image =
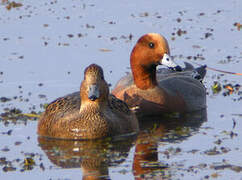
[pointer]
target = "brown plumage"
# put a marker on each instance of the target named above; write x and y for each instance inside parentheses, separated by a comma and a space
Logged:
(93, 113)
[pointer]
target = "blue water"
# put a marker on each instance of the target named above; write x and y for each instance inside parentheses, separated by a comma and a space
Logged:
(52, 43)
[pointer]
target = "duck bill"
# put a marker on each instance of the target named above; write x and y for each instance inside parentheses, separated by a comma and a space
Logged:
(93, 92)
(167, 61)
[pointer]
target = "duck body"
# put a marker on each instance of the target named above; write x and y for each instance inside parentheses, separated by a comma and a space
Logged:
(175, 92)
(154, 92)
(89, 114)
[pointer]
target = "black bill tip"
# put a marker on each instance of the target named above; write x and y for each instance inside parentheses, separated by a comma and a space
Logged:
(92, 97)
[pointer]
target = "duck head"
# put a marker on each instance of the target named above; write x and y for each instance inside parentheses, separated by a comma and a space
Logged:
(94, 89)
(150, 51)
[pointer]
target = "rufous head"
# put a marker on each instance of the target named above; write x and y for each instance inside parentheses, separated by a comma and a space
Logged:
(152, 49)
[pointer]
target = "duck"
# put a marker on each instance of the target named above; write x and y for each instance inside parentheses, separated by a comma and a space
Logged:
(149, 91)
(91, 113)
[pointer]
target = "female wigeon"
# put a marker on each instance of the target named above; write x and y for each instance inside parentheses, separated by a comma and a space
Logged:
(89, 114)
(152, 92)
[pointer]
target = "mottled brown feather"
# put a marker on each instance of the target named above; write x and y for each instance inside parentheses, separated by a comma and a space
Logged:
(72, 117)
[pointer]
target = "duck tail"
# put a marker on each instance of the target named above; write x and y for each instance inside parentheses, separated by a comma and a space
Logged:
(198, 73)
(201, 71)
(188, 66)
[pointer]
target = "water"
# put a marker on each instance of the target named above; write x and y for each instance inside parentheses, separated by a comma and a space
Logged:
(44, 48)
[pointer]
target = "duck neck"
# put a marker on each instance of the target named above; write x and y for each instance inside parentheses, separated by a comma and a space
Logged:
(92, 107)
(144, 77)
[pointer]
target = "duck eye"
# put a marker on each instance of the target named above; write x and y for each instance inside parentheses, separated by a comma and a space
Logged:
(151, 45)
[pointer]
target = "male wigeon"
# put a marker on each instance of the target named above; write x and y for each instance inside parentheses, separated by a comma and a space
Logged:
(89, 114)
(154, 92)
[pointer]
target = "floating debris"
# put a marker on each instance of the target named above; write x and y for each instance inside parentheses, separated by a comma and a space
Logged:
(212, 152)
(216, 87)
(4, 99)
(105, 50)
(238, 25)
(227, 166)
(12, 4)
(8, 168)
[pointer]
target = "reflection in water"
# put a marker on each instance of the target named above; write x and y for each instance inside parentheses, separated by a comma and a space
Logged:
(155, 130)
(94, 157)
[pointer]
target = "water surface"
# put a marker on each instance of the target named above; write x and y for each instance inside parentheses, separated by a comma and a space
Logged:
(46, 45)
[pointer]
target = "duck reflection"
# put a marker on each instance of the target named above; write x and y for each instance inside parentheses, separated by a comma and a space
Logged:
(93, 156)
(154, 131)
